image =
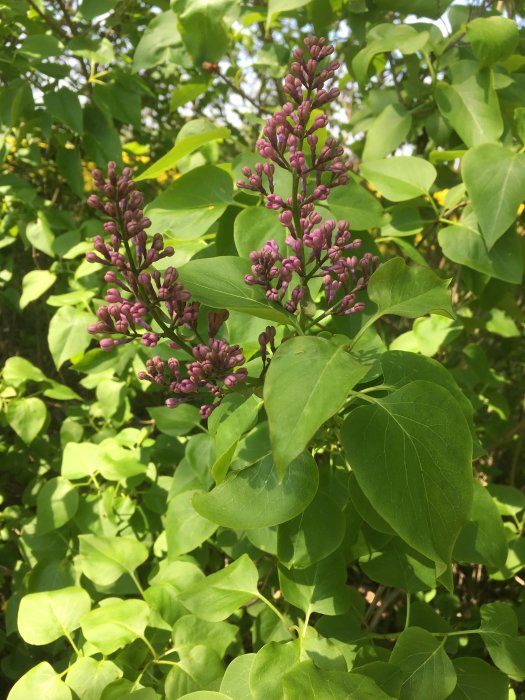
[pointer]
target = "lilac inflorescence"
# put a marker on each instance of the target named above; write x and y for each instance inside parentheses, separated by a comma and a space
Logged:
(141, 296)
(290, 142)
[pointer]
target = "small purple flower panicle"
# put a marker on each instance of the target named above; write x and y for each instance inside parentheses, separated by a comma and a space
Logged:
(151, 306)
(291, 141)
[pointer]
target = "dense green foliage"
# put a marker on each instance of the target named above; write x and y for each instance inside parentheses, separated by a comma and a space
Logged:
(348, 522)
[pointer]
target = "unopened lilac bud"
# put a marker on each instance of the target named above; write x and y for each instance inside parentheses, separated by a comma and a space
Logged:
(286, 217)
(107, 343)
(274, 202)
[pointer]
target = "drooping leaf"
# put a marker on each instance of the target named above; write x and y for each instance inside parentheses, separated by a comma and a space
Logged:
(254, 497)
(495, 179)
(298, 408)
(428, 672)
(409, 291)
(417, 441)
(44, 617)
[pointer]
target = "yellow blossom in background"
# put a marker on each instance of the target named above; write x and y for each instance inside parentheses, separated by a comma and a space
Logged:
(440, 197)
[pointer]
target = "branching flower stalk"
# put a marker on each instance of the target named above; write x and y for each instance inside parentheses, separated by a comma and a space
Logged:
(293, 140)
(143, 300)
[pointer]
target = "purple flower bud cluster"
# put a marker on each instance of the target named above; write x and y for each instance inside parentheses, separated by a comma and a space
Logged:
(290, 141)
(142, 299)
(215, 363)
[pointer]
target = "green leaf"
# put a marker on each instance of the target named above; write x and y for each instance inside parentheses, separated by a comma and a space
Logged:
(105, 559)
(271, 663)
(494, 176)
(254, 497)
(235, 681)
(201, 668)
(56, 504)
(478, 680)
(40, 235)
(219, 283)
(499, 630)
(219, 595)
(27, 417)
(409, 291)
(41, 46)
(313, 535)
(88, 677)
(64, 106)
(418, 442)
(17, 371)
(387, 132)
(297, 409)
(492, 39)
(253, 227)
(45, 617)
(185, 528)
(399, 566)
(192, 204)
(181, 149)
(95, 50)
(34, 284)
(307, 682)
(205, 695)
(470, 103)
(80, 460)
(428, 672)
(400, 177)
(483, 539)
(68, 335)
(356, 204)
(204, 33)
(230, 432)
(385, 38)
(161, 35)
(41, 681)
(464, 244)
(115, 462)
(115, 624)
(319, 588)
(275, 7)
(189, 631)
(175, 423)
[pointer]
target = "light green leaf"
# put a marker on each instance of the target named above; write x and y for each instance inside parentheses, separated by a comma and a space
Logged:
(428, 672)
(40, 235)
(307, 682)
(205, 695)
(34, 284)
(219, 283)
(254, 497)
(470, 103)
(80, 460)
(400, 178)
(201, 668)
(64, 106)
(235, 681)
(313, 535)
(499, 630)
(494, 176)
(26, 417)
(56, 504)
(464, 244)
(319, 588)
(115, 624)
(409, 291)
(203, 31)
(18, 370)
(161, 35)
(45, 617)
(271, 663)
(253, 227)
(175, 423)
(483, 539)
(222, 593)
(105, 559)
(417, 441)
(230, 432)
(181, 149)
(192, 204)
(185, 528)
(478, 680)
(387, 132)
(275, 7)
(297, 409)
(41, 681)
(356, 204)
(88, 677)
(385, 38)
(189, 631)
(68, 335)
(116, 462)
(492, 38)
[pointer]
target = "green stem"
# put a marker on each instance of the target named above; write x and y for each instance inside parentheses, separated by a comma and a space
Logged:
(396, 635)
(363, 330)
(407, 619)
(273, 609)
(150, 647)
(137, 582)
